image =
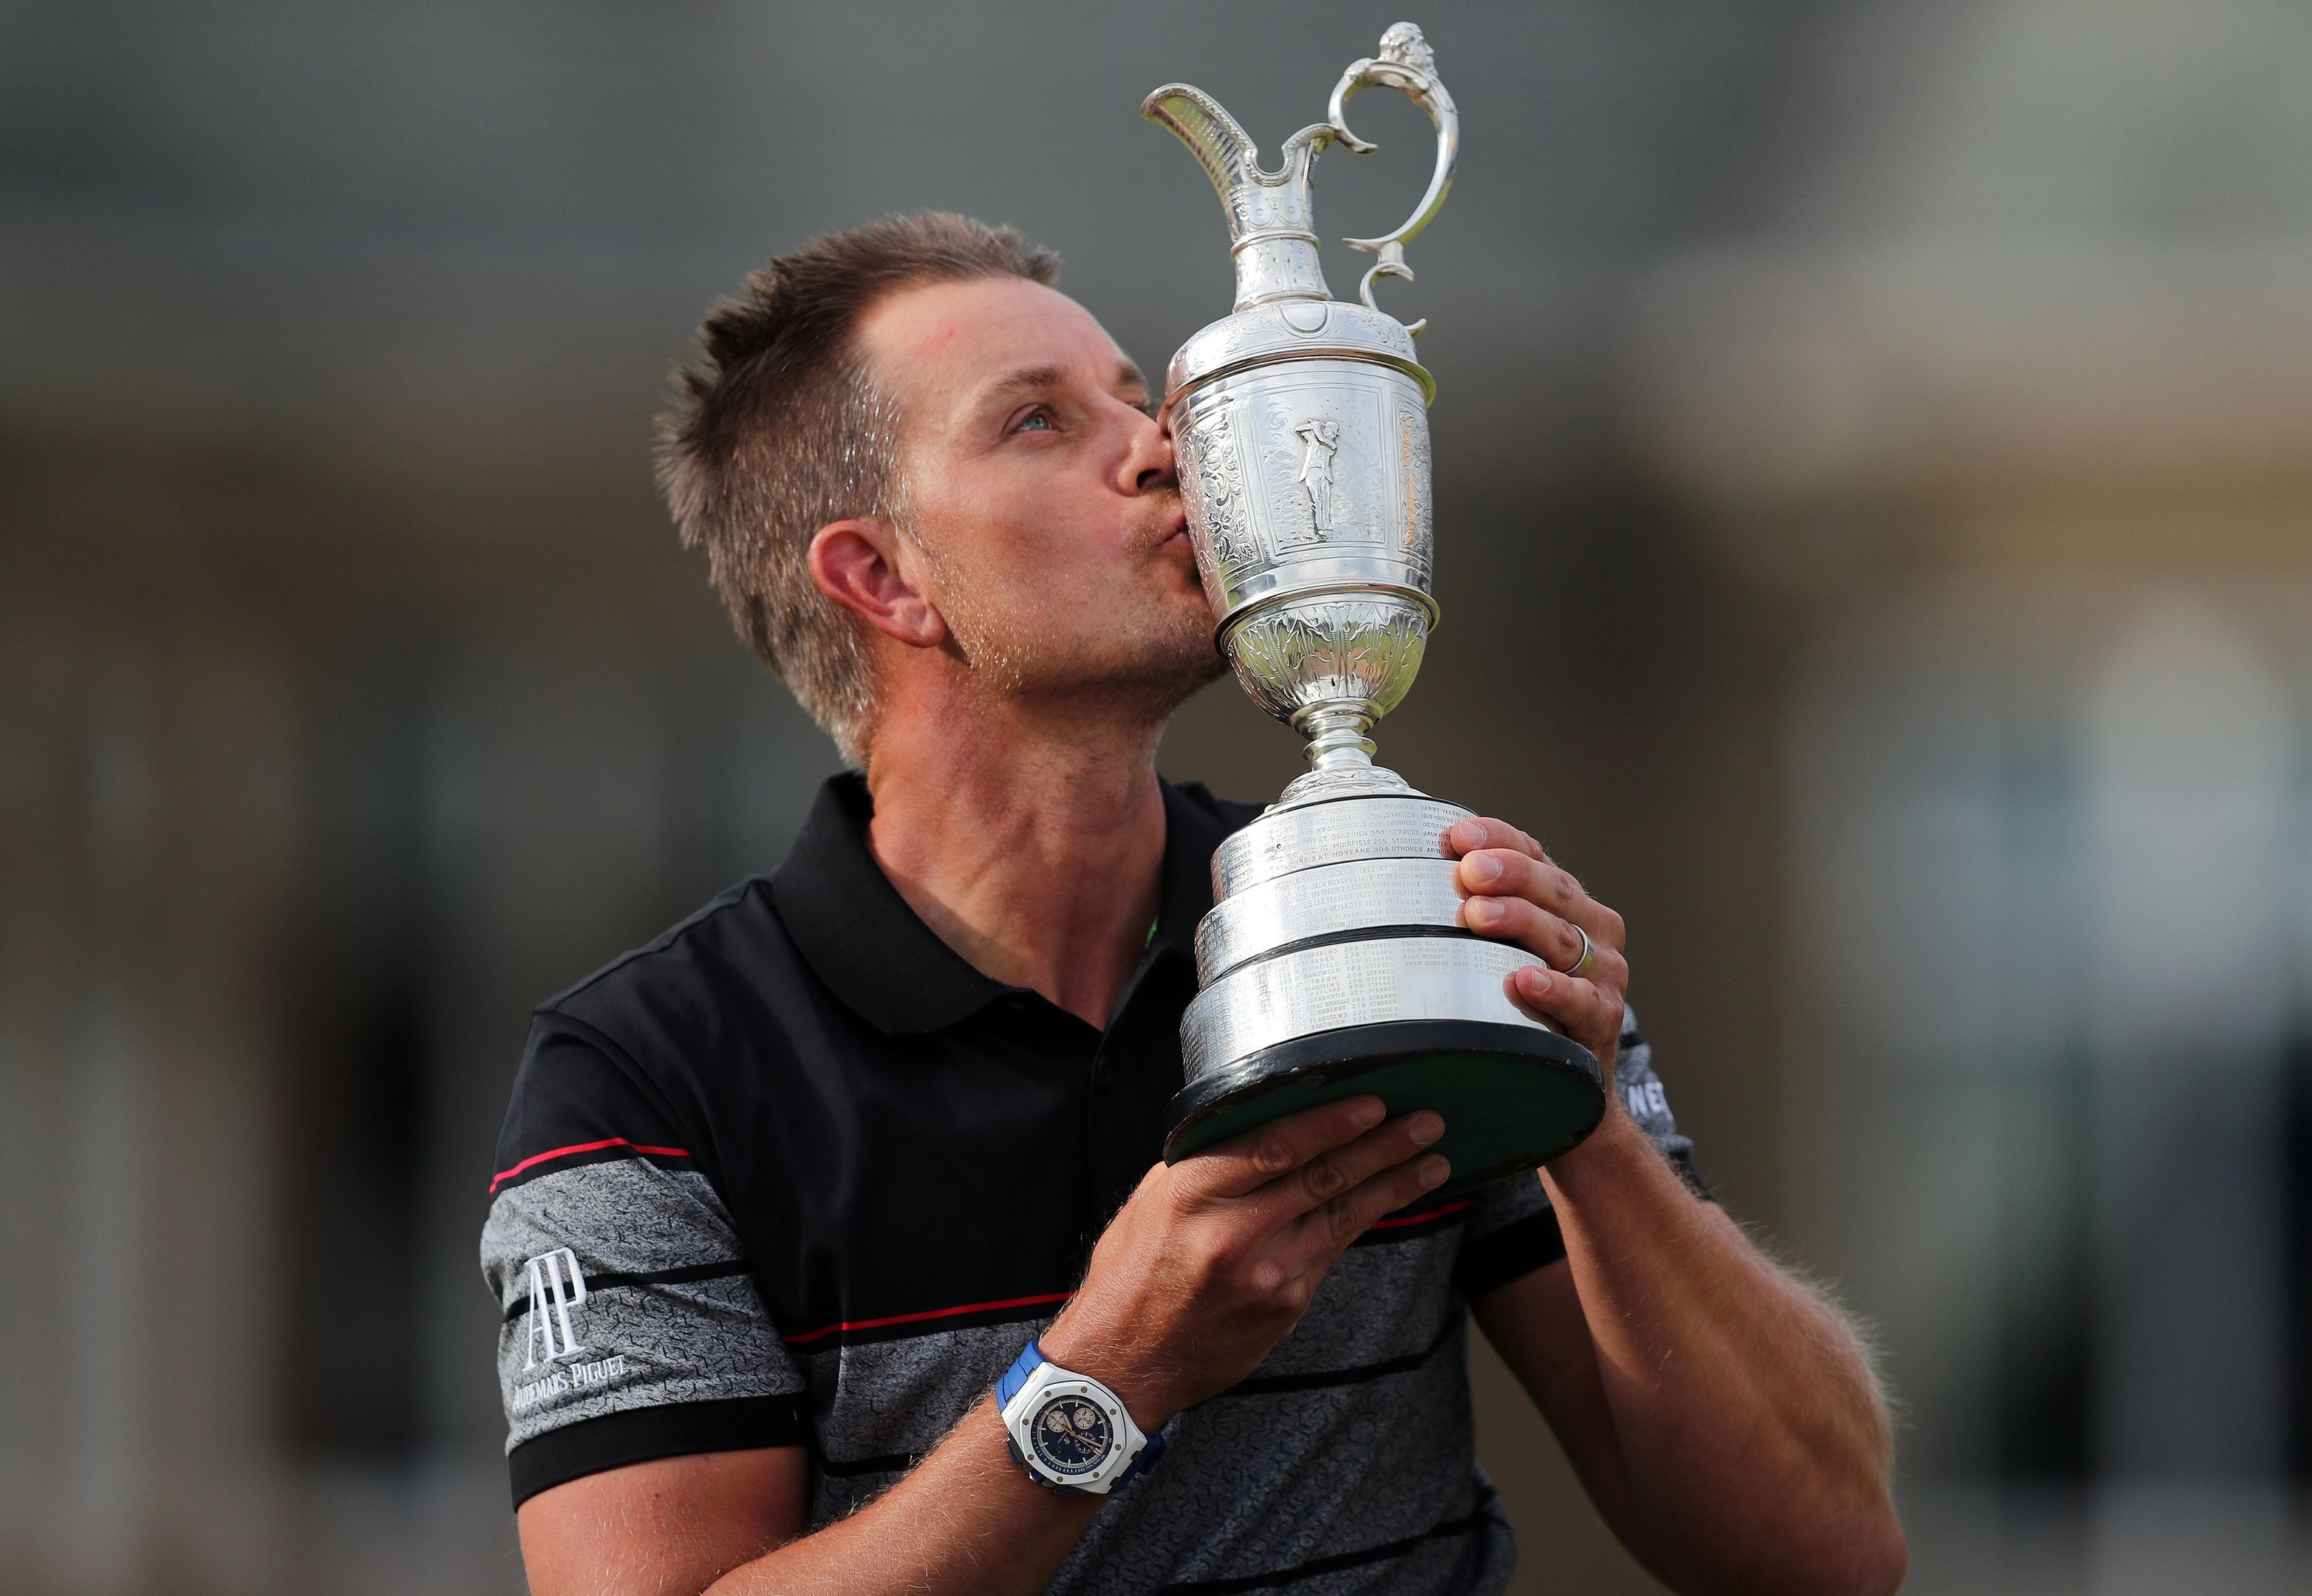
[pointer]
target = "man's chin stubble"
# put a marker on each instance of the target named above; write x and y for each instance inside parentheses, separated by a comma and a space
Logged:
(1138, 688)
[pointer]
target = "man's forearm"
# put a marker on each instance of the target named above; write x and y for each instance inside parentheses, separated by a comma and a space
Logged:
(966, 1520)
(1753, 1438)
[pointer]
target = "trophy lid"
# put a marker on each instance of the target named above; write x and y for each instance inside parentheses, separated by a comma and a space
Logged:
(1294, 328)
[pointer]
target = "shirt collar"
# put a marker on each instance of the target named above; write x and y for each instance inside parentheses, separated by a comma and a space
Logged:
(1194, 828)
(864, 941)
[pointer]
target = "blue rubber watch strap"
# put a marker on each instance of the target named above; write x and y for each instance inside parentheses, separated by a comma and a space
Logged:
(1030, 1359)
(1149, 1456)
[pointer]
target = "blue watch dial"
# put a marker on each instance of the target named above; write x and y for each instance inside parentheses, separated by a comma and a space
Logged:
(1070, 1435)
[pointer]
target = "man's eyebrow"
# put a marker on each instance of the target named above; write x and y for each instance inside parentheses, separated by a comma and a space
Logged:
(1021, 381)
(1027, 379)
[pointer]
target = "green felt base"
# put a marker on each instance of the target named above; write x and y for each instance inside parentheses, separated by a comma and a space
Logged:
(1512, 1096)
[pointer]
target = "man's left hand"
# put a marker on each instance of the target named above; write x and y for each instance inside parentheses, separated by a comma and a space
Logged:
(1517, 894)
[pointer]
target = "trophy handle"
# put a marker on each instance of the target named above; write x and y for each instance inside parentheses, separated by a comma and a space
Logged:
(1406, 64)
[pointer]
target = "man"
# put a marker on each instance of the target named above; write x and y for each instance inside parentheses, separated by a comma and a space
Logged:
(783, 1194)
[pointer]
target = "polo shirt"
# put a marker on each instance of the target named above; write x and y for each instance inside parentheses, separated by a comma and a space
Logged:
(796, 1174)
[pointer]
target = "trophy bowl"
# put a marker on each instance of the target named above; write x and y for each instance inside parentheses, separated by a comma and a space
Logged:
(1333, 962)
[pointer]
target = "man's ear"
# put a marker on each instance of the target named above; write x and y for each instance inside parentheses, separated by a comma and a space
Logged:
(856, 563)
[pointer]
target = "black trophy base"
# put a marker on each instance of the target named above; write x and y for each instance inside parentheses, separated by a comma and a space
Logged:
(1512, 1096)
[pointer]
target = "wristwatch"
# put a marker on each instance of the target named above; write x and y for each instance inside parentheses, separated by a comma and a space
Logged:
(1070, 1432)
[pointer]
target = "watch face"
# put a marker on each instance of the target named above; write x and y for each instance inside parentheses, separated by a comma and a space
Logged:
(1070, 1435)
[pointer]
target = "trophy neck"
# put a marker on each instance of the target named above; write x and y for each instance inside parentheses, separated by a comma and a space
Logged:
(1272, 233)
(1278, 265)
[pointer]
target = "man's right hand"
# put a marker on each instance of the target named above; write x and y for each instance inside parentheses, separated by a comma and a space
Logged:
(1214, 1260)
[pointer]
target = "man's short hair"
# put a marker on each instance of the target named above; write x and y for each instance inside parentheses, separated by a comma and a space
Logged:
(780, 429)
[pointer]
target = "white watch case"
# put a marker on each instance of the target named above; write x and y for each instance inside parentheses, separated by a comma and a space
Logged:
(1070, 1433)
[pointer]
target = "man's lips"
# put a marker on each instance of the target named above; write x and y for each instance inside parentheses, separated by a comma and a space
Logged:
(1173, 536)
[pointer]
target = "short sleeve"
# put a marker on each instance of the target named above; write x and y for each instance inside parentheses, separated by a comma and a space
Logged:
(1511, 1231)
(632, 1326)
(1643, 1094)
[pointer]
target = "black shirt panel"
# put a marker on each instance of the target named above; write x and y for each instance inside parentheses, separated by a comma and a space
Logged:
(896, 1132)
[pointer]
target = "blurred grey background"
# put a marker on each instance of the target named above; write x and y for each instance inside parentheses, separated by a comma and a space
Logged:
(1875, 467)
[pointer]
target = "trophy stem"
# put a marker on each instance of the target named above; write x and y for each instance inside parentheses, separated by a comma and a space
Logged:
(1336, 735)
(1340, 755)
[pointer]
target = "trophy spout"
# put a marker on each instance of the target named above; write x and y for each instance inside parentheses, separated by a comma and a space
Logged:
(1272, 233)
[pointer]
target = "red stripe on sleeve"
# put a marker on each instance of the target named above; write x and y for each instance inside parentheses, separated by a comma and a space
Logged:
(503, 1176)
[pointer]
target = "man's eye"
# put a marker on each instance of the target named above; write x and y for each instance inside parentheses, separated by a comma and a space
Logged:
(1037, 420)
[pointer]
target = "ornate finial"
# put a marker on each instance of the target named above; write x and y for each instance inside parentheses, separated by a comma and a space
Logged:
(1404, 45)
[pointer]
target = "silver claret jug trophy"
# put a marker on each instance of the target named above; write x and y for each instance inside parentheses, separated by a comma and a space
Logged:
(1333, 962)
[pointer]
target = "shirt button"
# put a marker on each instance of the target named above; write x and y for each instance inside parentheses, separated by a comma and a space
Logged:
(1103, 1074)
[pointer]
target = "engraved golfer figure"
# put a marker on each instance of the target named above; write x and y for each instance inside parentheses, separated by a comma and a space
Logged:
(1323, 441)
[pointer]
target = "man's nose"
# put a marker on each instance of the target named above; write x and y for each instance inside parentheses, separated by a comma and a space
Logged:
(1149, 463)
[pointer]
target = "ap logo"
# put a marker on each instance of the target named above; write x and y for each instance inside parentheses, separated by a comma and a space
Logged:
(556, 1287)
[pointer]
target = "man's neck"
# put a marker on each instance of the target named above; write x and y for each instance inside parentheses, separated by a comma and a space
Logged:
(1037, 855)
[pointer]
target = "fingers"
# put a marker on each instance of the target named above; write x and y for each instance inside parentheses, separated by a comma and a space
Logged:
(1324, 1178)
(1505, 873)
(1515, 921)
(1464, 837)
(1589, 1012)
(1331, 1228)
(1243, 1164)
(1517, 894)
